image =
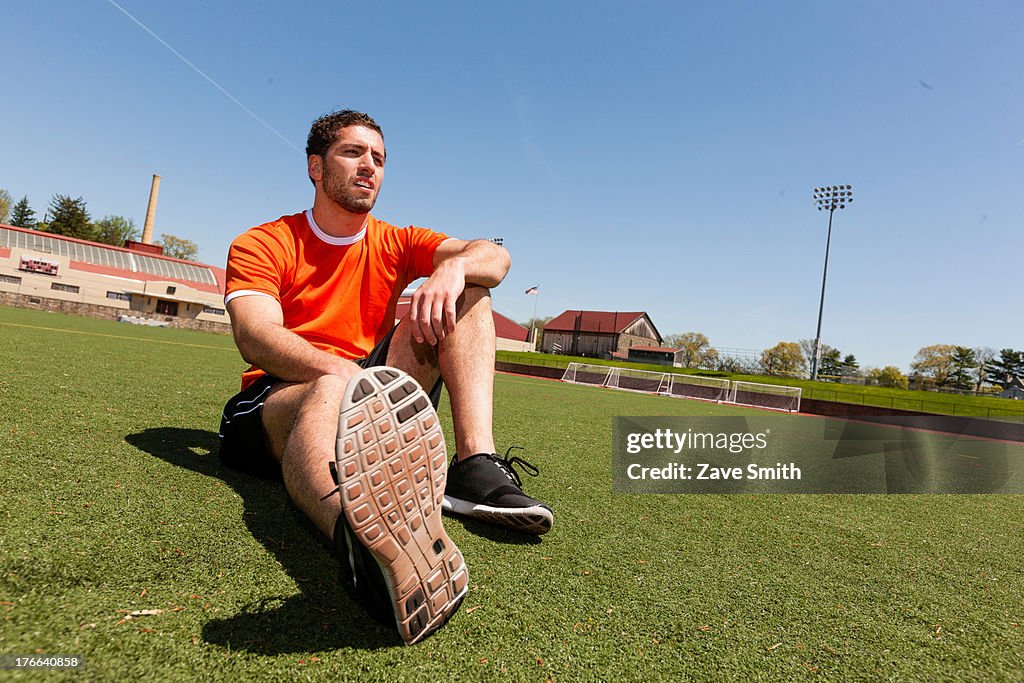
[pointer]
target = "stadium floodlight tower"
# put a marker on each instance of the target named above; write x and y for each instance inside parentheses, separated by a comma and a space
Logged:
(829, 199)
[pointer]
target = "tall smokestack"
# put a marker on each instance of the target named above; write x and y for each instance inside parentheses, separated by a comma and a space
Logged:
(147, 229)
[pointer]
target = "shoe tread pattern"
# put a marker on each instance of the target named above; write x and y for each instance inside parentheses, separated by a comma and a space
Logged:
(392, 468)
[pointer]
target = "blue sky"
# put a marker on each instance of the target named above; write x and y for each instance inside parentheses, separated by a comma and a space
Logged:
(640, 156)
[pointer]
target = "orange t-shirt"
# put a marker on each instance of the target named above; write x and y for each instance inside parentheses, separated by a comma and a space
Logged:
(337, 293)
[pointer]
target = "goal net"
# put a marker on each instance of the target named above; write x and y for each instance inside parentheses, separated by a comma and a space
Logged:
(582, 373)
(694, 386)
(638, 380)
(774, 396)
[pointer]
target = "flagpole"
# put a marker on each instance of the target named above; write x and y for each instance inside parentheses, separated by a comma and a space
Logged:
(533, 321)
(536, 298)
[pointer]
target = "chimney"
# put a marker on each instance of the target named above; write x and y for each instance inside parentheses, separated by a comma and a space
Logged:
(147, 229)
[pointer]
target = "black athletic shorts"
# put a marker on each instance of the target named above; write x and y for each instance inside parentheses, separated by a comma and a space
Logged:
(242, 444)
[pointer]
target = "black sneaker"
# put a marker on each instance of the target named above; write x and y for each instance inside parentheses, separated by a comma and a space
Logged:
(361, 575)
(391, 469)
(485, 486)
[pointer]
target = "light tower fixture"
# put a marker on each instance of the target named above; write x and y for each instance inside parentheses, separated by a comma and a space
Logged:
(827, 198)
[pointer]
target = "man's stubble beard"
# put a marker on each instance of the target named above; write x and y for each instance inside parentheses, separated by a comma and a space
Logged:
(334, 187)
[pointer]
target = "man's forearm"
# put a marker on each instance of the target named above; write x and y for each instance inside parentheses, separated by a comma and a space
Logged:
(484, 263)
(286, 355)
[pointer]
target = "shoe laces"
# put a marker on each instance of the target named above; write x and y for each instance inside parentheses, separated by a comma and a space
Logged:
(506, 464)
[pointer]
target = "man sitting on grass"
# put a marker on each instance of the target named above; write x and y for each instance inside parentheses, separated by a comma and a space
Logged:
(334, 402)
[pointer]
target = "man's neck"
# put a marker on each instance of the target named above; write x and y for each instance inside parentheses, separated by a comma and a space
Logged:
(336, 221)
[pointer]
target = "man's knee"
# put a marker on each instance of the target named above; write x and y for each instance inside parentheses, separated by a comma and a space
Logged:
(288, 403)
(291, 398)
(326, 387)
(473, 293)
(474, 298)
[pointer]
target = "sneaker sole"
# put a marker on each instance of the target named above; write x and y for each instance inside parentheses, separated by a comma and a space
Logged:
(392, 467)
(536, 519)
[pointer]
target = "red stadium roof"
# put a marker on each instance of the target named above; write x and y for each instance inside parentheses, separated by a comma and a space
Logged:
(78, 258)
(659, 349)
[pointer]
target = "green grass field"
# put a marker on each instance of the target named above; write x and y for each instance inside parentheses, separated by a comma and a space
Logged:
(990, 407)
(113, 502)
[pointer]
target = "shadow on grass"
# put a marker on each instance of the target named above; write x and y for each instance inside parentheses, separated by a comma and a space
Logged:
(493, 533)
(322, 617)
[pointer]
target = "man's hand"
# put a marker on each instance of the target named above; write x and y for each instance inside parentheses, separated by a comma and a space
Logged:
(456, 264)
(432, 313)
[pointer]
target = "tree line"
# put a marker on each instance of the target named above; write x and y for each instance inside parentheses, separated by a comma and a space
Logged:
(949, 366)
(938, 366)
(70, 217)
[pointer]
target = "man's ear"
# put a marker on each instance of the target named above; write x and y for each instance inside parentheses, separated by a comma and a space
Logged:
(315, 167)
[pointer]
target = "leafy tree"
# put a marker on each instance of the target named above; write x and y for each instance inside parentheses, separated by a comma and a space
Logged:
(114, 230)
(963, 362)
(1010, 362)
(697, 351)
(708, 359)
(22, 215)
(5, 205)
(69, 217)
(730, 364)
(807, 348)
(934, 362)
(984, 356)
(178, 247)
(785, 358)
(850, 365)
(889, 376)
(831, 363)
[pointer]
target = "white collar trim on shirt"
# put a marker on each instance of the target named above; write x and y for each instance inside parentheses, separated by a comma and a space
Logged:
(331, 239)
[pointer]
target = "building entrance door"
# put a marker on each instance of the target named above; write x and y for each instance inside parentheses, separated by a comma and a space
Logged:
(167, 307)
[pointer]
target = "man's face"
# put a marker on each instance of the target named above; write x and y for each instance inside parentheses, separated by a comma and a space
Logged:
(353, 168)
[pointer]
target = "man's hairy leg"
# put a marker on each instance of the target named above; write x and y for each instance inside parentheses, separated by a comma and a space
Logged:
(465, 359)
(301, 420)
(301, 424)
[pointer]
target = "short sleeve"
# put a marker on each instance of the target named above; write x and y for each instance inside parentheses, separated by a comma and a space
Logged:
(256, 263)
(421, 244)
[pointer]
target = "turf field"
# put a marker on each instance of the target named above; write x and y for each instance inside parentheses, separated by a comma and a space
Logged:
(124, 540)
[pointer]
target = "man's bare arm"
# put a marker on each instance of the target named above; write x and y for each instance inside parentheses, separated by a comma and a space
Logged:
(258, 326)
(456, 264)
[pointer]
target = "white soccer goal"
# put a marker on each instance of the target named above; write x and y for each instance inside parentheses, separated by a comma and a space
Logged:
(582, 373)
(695, 386)
(774, 396)
(617, 378)
(638, 380)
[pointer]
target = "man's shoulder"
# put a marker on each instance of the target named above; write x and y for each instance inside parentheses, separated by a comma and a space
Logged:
(376, 224)
(281, 230)
(388, 229)
(285, 225)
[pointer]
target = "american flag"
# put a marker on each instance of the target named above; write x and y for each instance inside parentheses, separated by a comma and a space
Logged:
(531, 290)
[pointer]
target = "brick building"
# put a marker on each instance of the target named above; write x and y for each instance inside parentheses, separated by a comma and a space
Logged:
(39, 269)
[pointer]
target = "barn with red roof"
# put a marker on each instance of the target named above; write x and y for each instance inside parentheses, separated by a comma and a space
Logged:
(599, 334)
